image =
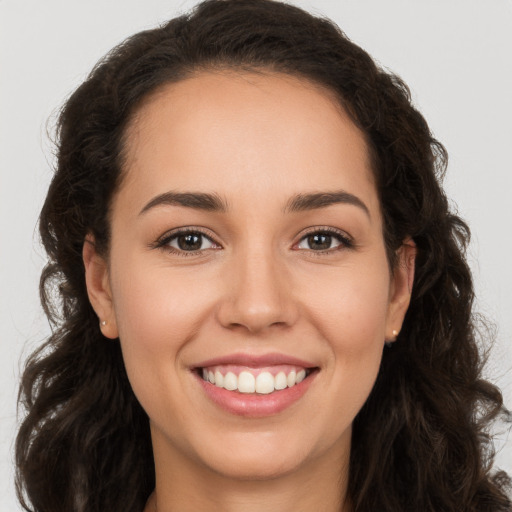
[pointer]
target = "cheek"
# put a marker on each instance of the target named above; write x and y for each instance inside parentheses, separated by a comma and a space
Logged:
(156, 308)
(350, 313)
(157, 313)
(349, 306)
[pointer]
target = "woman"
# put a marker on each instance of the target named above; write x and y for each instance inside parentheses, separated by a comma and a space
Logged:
(264, 299)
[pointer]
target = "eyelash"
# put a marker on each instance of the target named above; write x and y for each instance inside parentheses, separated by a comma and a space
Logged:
(163, 243)
(346, 241)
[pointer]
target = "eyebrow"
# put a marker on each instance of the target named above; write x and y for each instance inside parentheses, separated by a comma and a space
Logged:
(215, 203)
(197, 200)
(303, 202)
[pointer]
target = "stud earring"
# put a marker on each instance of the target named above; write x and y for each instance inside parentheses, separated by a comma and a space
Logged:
(103, 323)
(395, 332)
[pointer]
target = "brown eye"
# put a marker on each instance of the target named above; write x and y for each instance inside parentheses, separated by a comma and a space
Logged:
(319, 241)
(190, 241)
(324, 241)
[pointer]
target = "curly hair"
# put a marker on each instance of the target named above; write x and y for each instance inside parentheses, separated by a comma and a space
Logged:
(422, 440)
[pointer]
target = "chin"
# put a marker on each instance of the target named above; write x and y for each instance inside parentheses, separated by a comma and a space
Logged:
(253, 456)
(256, 466)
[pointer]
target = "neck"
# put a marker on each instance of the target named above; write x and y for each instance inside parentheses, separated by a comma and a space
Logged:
(184, 485)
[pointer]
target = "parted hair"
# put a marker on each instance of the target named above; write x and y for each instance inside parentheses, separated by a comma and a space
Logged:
(422, 440)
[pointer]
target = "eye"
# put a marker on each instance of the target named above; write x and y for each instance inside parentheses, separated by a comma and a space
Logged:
(324, 240)
(187, 241)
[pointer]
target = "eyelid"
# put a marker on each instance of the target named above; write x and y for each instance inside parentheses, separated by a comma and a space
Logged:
(347, 242)
(163, 241)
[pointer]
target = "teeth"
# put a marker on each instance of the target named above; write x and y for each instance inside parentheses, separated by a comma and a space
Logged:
(230, 381)
(280, 381)
(264, 383)
(219, 379)
(246, 382)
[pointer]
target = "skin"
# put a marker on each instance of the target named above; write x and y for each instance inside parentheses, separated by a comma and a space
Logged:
(255, 140)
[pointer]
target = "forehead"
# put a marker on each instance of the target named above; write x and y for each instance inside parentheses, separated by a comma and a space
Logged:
(233, 130)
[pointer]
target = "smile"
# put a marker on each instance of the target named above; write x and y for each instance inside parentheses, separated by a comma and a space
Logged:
(255, 386)
(262, 381)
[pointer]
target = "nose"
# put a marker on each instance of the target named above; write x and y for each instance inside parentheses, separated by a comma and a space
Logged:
(258, 294)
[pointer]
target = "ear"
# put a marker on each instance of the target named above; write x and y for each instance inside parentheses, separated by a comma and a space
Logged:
(98, 287)
(400, 289)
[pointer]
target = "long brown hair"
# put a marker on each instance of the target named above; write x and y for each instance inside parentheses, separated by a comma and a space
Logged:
(421, 441)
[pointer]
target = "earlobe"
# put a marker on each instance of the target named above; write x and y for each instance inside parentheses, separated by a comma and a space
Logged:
(401, 288)
(98, 287)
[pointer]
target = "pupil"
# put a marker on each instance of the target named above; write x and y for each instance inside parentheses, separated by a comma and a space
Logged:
(319, 241)
(189, 242)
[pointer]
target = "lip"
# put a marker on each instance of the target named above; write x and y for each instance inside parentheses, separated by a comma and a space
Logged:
(254, 405)
(255, 361)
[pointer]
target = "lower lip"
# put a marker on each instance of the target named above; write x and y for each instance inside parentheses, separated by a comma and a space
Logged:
(254, 405)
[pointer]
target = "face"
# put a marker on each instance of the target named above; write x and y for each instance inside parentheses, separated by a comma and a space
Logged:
(247, 248)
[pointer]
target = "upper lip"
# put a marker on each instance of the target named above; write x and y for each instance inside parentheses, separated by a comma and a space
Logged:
(255, 361)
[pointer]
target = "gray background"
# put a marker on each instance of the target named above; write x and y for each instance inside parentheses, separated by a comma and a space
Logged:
(456, 55)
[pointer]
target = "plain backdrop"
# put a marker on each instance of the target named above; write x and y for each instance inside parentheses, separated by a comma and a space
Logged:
(456, 56)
